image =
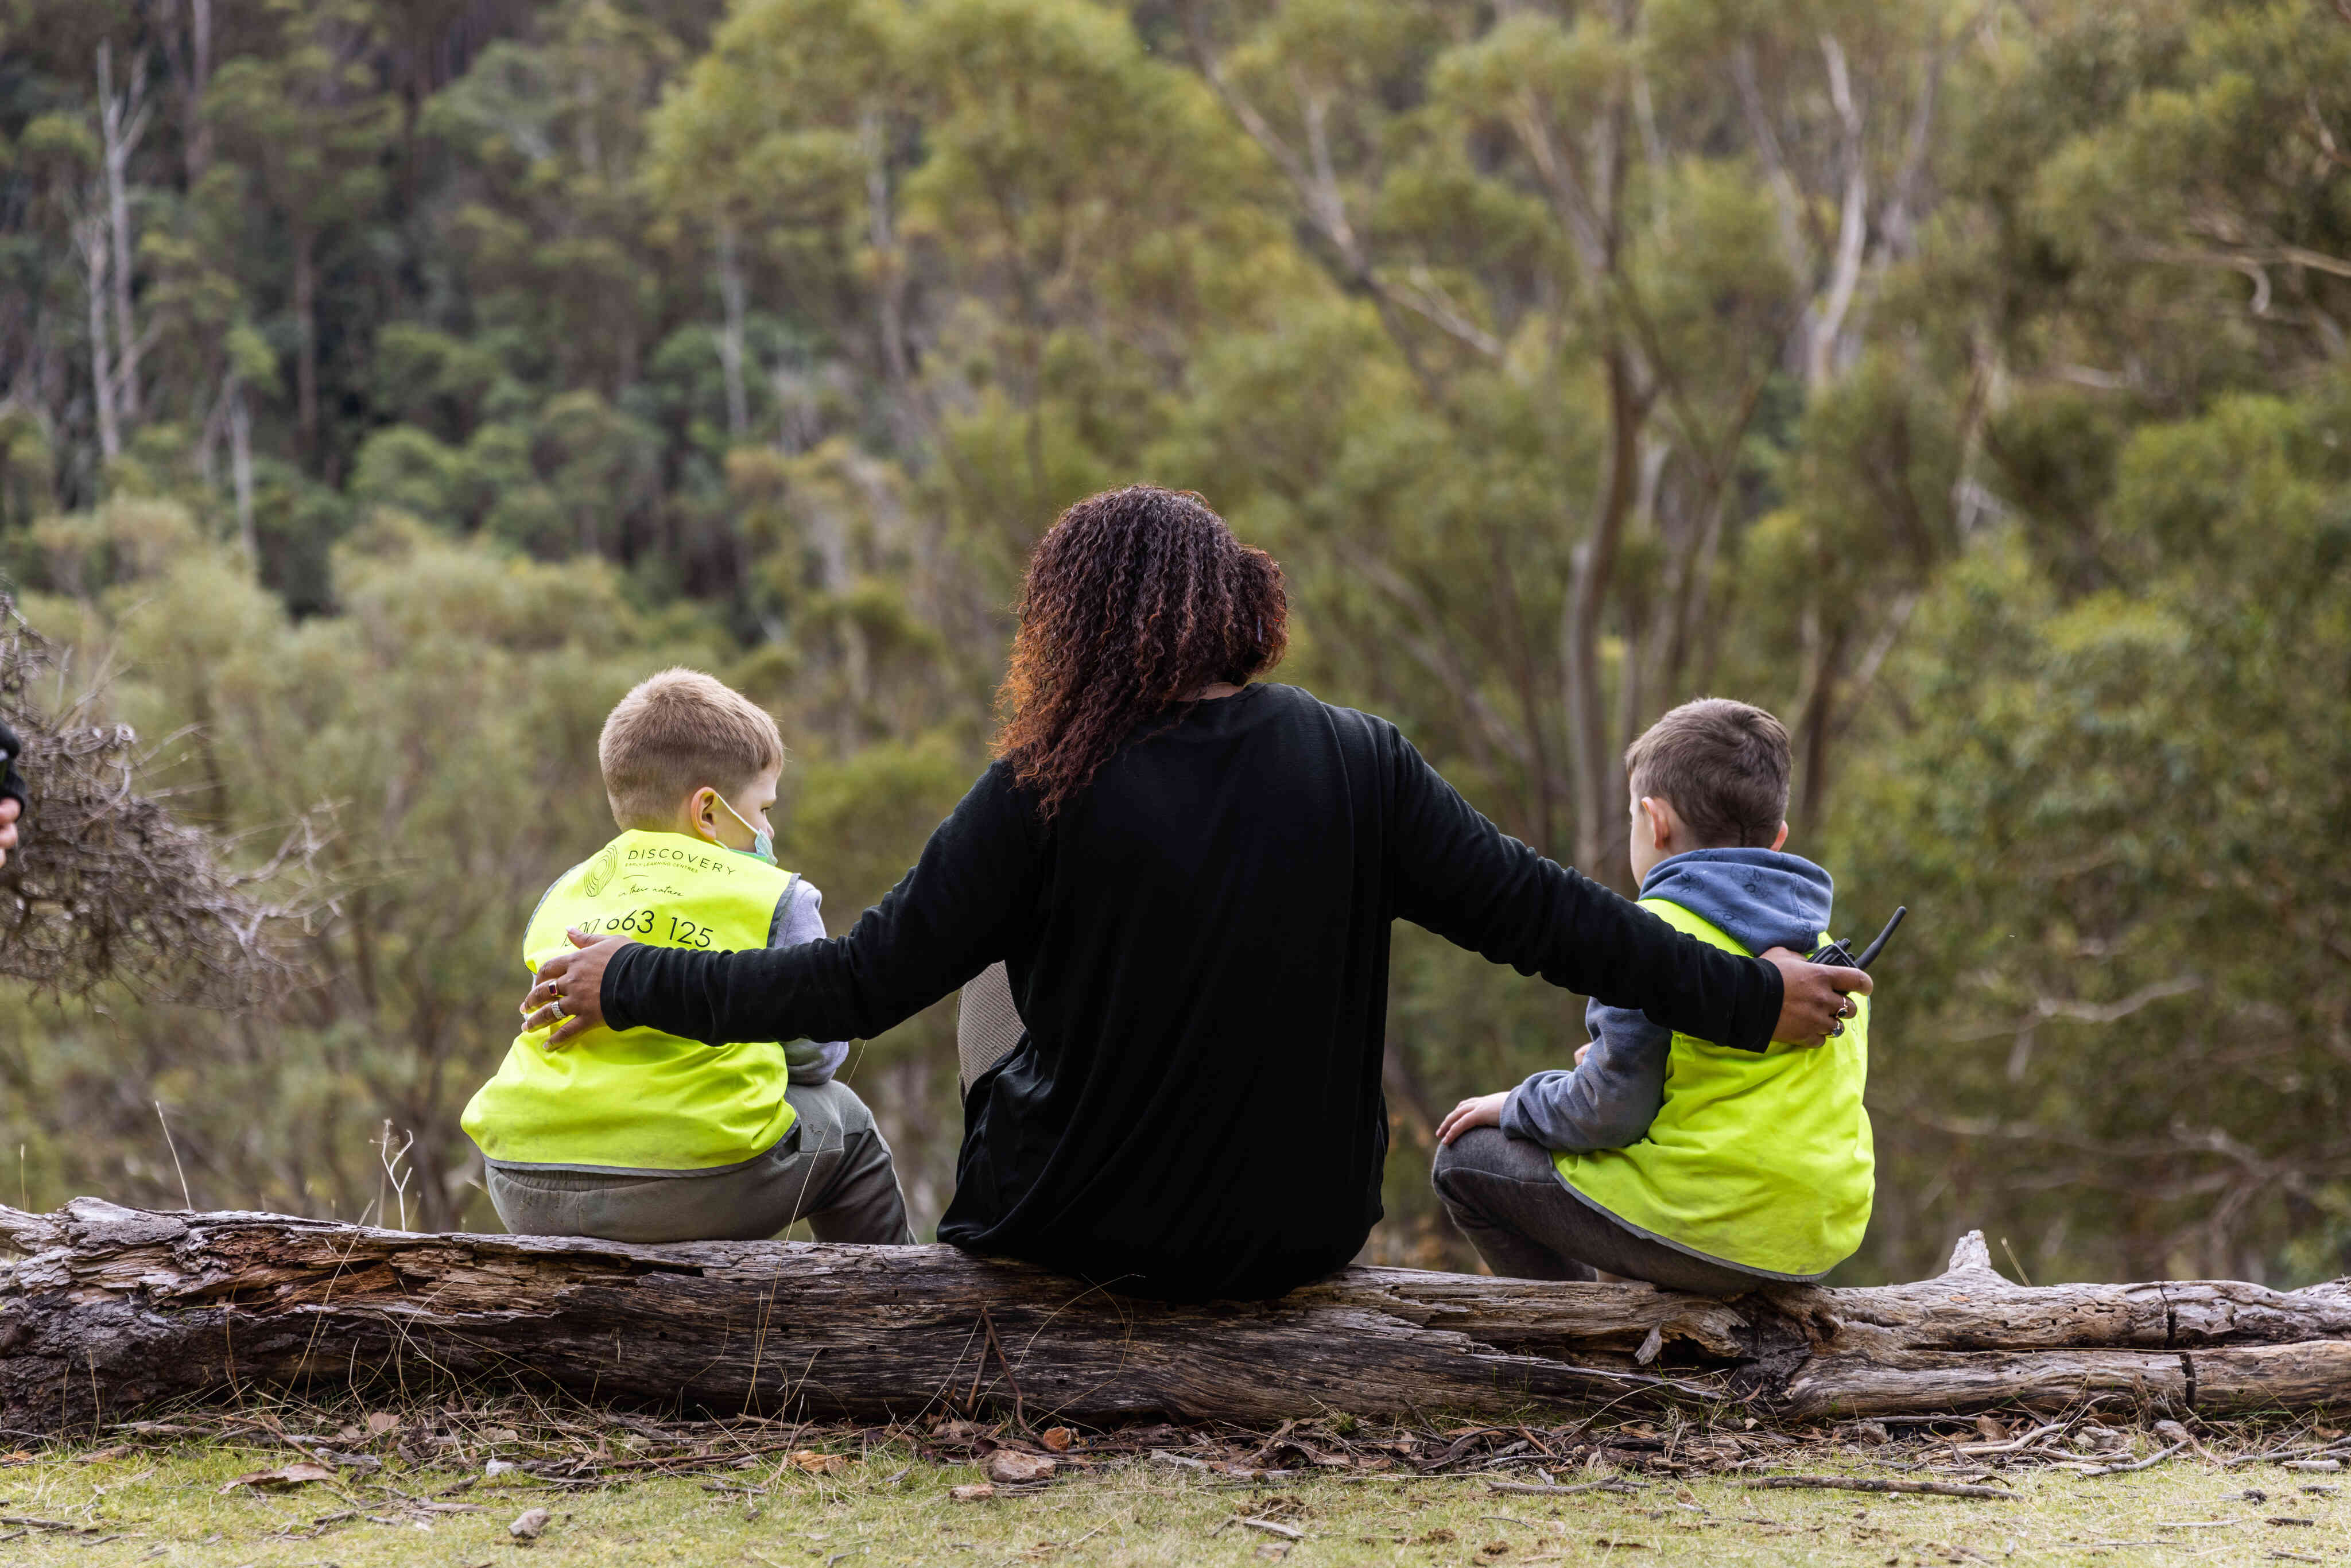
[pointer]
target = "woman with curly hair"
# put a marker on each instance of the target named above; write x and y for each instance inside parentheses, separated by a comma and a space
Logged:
(1189, 875)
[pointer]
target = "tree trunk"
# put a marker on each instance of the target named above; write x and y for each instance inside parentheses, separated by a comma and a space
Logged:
(890, 283)
(1815, 722)
(240, 469)
(91, 238)
(122, 123)
(1599, 776)
(199, 130)
(730, 333)
(907, 411)
(116, 1308)
(305, 326)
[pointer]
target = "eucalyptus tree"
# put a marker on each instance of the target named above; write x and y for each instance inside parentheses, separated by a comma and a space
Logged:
(2116, 772)
(300, 131)
(1620, 249)
(1005, 231)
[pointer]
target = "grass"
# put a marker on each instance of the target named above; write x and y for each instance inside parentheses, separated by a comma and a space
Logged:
(165, 1504)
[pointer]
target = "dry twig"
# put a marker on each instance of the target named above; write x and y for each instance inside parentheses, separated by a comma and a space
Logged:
(1873, 1483)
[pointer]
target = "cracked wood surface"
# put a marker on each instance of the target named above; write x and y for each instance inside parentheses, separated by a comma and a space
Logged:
(109, 1308)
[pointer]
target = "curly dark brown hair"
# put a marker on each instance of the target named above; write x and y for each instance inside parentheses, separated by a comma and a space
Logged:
(1135, 598)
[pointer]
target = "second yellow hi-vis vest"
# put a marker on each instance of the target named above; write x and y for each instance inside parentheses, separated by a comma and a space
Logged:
(1763, 1161)
(642, 1100)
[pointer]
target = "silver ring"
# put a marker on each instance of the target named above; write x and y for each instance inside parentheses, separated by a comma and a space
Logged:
(557, 1005)
(1837, 1028)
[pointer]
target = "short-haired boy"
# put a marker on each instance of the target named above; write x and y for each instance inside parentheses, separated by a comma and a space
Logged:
(1663, 1157)
(643, 1137)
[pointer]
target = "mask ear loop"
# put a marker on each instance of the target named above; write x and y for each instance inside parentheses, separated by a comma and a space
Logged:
(736, 814)
(763, 843)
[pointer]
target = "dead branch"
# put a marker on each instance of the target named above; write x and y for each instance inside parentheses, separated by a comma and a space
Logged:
(107, 886)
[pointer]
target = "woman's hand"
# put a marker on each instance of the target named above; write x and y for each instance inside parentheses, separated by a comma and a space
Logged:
(1812, 1001)
(1485, 1111)
(571, 989)
(9, 811)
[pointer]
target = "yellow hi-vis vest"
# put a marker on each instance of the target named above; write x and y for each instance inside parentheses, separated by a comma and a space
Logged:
(642, 1100)
(1762, 1160)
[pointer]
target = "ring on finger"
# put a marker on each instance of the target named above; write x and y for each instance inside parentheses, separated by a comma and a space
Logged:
(556, 1004)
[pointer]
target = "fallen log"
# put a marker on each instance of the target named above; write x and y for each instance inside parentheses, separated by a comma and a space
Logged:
(109, 1308)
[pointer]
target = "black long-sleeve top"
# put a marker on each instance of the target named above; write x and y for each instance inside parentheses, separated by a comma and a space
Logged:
(12, 783)
(1198, 944)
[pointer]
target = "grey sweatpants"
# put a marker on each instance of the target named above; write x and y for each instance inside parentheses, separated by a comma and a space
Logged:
(1506, 1195)
(833, 1169)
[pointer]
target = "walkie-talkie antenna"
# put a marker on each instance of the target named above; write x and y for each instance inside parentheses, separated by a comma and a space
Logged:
(1870, 953)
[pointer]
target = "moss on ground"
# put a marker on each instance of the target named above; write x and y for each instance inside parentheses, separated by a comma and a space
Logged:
(167, 1505)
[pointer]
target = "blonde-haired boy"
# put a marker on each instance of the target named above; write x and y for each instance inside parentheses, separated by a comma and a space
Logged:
(644, 1136)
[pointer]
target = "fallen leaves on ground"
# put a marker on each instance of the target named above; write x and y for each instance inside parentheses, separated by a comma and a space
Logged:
(1013, 1467)
(567, 1446)
(1652, 1463)
(300, 1473)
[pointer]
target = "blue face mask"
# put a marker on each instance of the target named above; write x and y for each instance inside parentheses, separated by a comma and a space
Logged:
(763, 842)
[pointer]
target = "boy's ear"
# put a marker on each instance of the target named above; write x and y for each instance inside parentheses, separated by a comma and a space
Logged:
(1783, 837)
(702, 811)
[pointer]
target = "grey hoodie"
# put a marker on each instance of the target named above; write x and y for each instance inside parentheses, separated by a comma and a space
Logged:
(1763, 898)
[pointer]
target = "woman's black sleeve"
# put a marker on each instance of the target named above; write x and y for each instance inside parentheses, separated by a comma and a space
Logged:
(957, 912)
(1459, 875)
(12, 783)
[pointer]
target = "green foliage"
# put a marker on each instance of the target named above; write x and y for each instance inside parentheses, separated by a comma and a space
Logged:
(2117, 809)
(437, 740)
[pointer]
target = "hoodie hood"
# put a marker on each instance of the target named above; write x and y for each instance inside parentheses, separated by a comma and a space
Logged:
(1763, 898)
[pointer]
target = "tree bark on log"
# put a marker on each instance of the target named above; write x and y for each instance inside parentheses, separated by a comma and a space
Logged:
(111, 1309)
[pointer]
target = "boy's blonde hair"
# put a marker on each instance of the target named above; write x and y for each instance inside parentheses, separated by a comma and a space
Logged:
(676, 732)
(1723, 765)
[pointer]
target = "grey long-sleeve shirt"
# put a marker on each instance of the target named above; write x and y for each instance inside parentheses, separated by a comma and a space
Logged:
(800, 917)
(1761, 898)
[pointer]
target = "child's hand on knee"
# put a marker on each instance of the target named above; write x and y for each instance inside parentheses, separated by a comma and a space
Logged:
(1581, 1051)
(1485, 1111)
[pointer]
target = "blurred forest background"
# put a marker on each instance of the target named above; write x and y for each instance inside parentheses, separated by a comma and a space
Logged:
(385, 385)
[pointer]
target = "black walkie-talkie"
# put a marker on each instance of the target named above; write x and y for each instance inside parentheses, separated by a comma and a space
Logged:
(1835, 955)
